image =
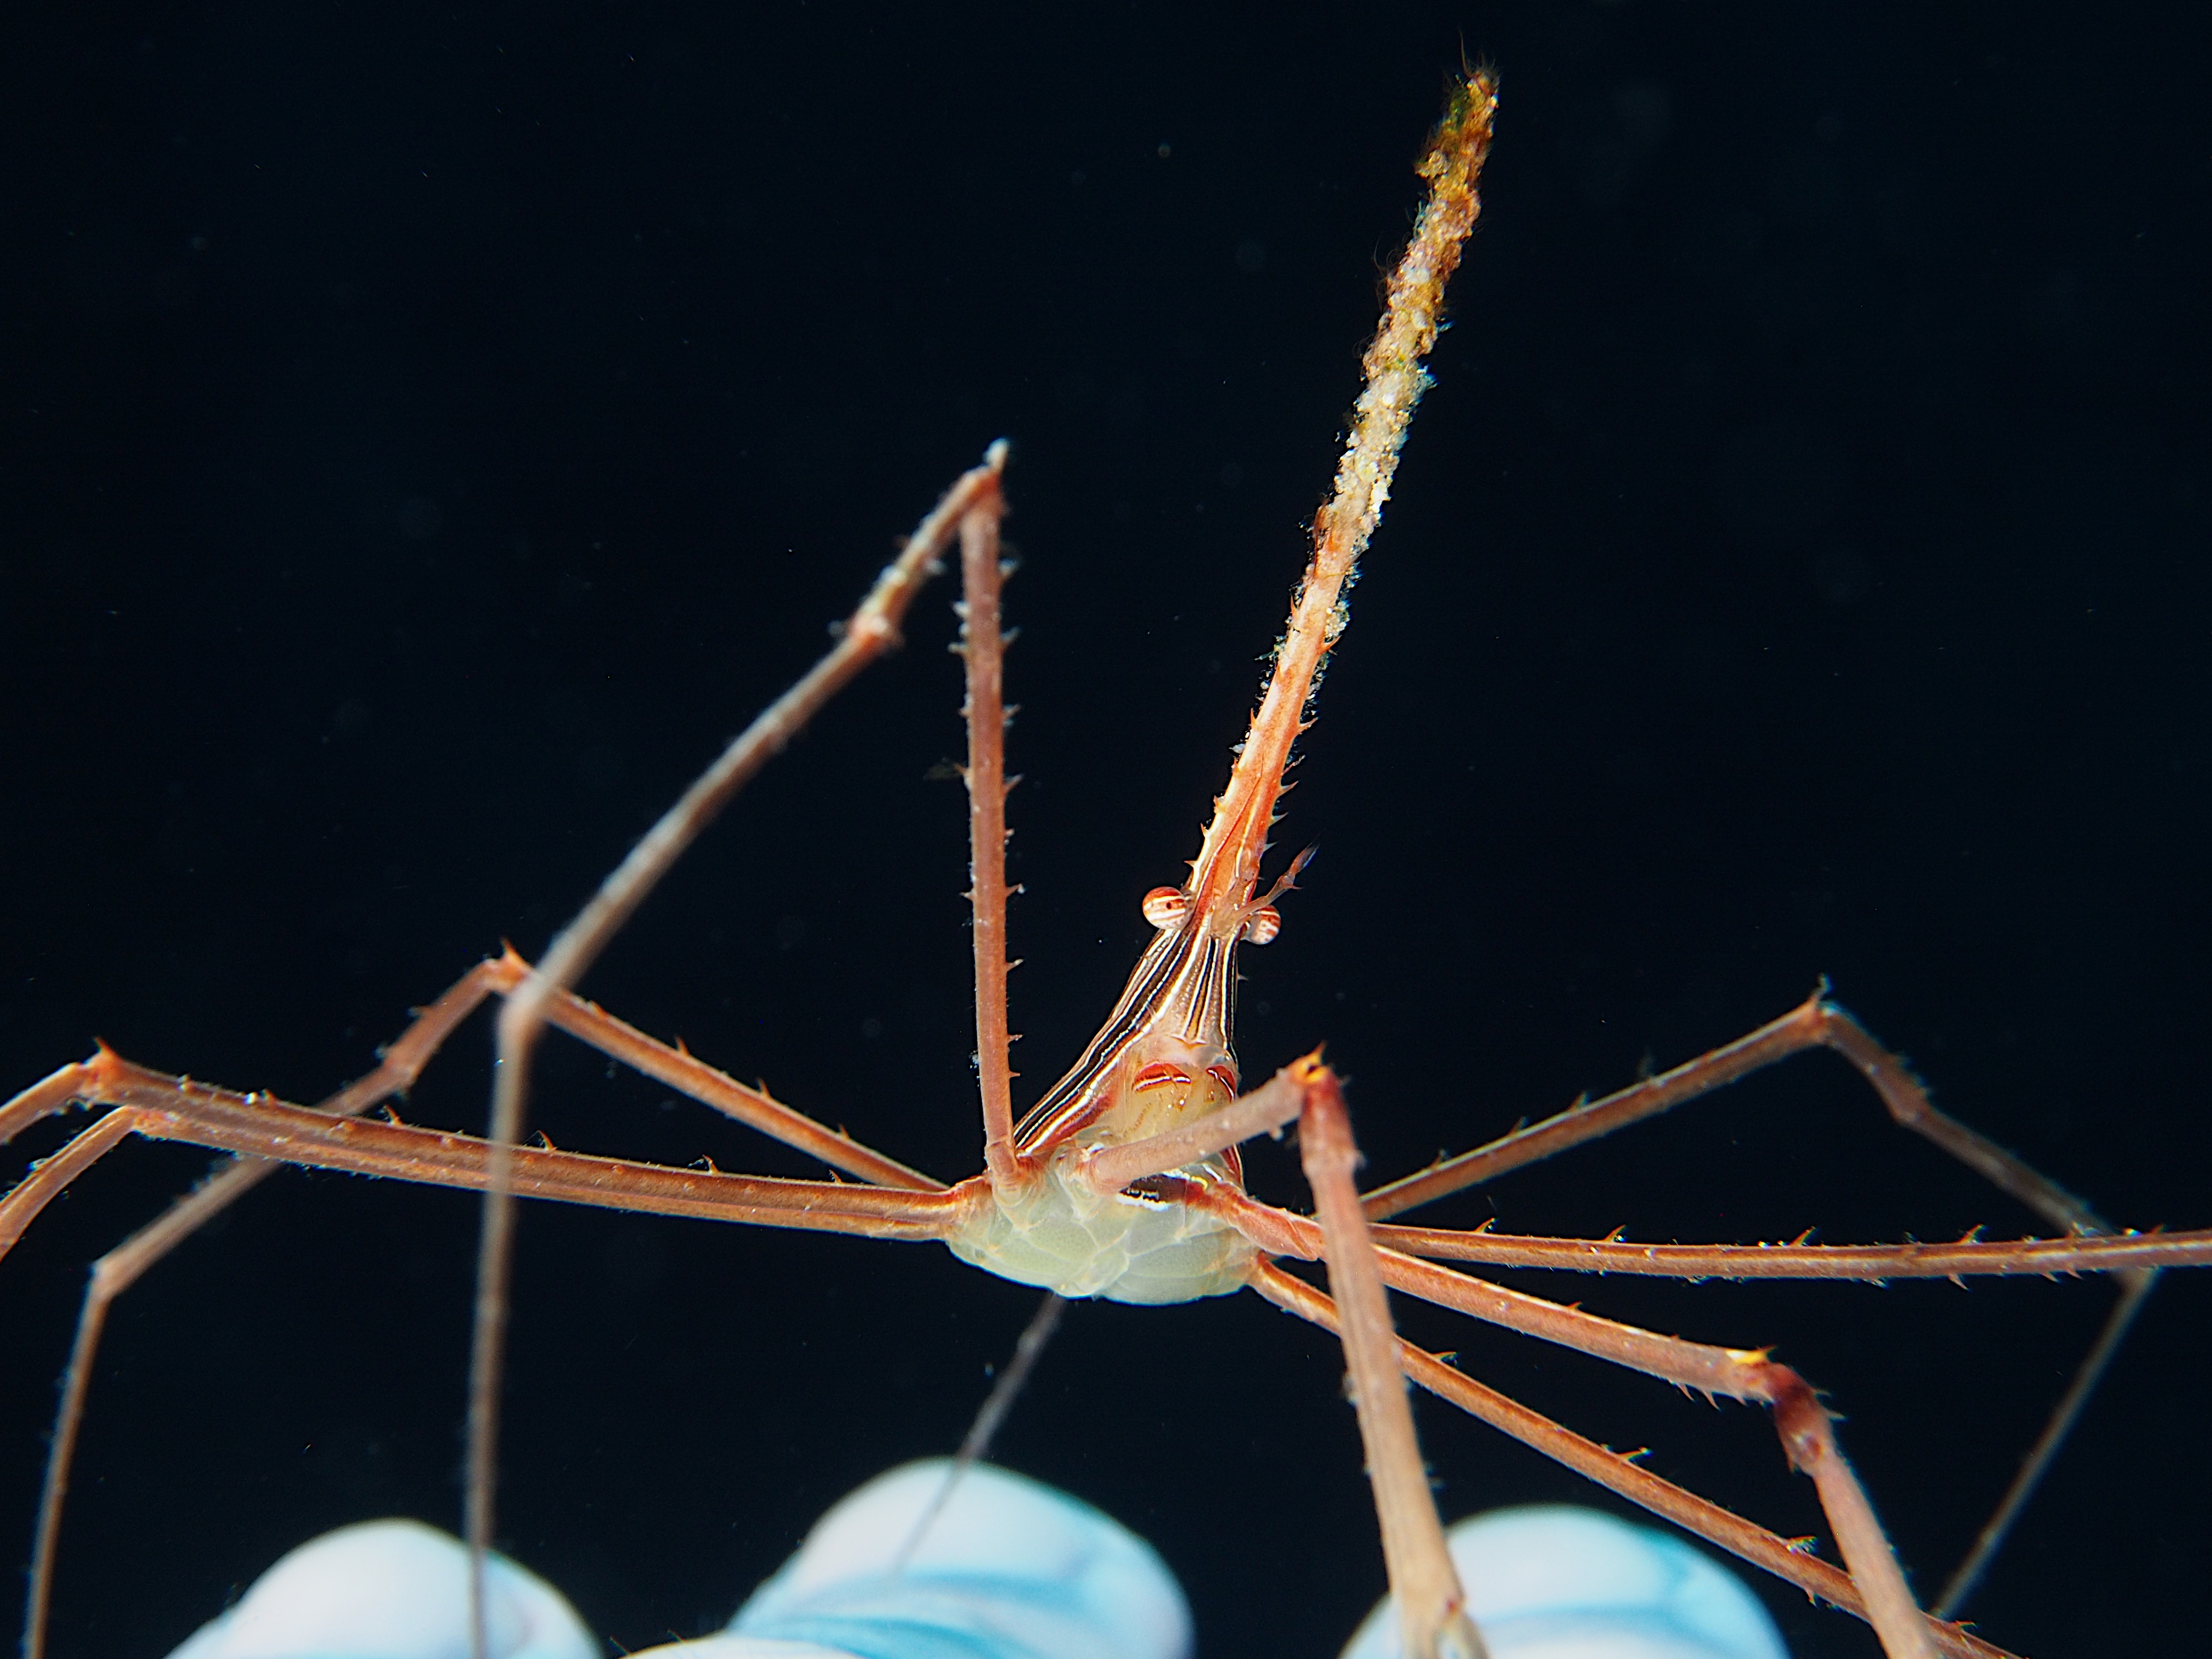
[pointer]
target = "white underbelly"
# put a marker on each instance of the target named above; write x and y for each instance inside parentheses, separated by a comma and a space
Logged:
(1067, 1238)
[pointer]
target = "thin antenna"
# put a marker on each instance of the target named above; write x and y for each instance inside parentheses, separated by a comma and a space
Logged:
(1004, 1391)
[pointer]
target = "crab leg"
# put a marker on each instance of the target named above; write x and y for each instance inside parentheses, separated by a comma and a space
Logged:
(402, 1063)
(1616, 1472)
(164, 1108)
(870, 631)
(1432, 1618)
(982, 647)
(1817, 1022)
(1806, 1429)
(1872, 1264)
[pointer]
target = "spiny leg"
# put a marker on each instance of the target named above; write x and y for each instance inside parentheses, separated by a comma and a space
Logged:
(2124, 1254)
(685, 1072)
(1819, 1023)
(1806, 1429)
(1616, 1472)
(677, 1067)
(84, 1081)
(401, 1063)
(123, 1265)
(1265, 1108)
(164, 1108)
(1430, 1604)
(868, 633)
(110, 1275)
(2136, 1258)
(2134, 1286)
(872, 630)
(983, 650)
(263, 1133)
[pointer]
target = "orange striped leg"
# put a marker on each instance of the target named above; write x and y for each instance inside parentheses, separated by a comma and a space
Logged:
(872, 630)
(982, 649)
(1817, 1022)
(1806, 1429)
(1430, 1604)
(1821, 1024)
(1871, 1264)
(1617, 1472)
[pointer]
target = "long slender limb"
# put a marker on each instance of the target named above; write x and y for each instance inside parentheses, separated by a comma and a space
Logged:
(685, 1072)
(122, 1267)
(2127, 1253)
(872, 629)
(1817, 1022)
(264, 1133)
(1807, 1431)
(976, 1444)
(404, 1059)
(2136, 1287)
(395, 1072)
(400, 1065)
(1968, 1573)
(1615, 1472)
(164, 1108)
(112, 1275)
(1432, 1607)
(983, 649)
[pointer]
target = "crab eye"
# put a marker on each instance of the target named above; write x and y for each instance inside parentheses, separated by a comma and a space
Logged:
(1166, 906)
(1263, 923)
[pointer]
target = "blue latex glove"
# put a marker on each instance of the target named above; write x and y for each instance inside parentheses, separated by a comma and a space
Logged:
(1556, 1581)
(390, 1589)
(1007, 1569)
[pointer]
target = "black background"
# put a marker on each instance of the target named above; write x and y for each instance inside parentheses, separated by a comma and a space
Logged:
(429, 433)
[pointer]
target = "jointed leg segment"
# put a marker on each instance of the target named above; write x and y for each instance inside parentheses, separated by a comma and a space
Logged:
(165, 1108)
(263, 1131)
(1431, 1606)
(259, 1126)
(1819, 1023)
(872, 630)
(1616, 1472)
(2130, 1255)
(122, 1266)
(1803, 1425)
(982, 649)
(1807, 1434)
